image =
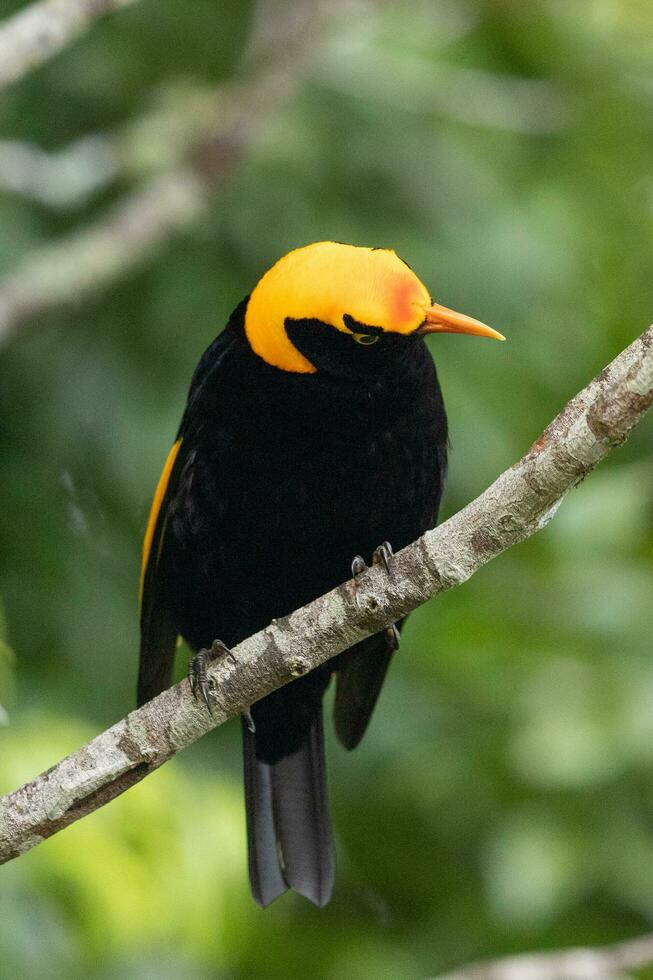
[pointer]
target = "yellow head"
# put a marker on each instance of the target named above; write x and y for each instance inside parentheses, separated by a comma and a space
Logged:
(342, 288)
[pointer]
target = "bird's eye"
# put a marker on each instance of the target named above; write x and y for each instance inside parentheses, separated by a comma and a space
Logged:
(366, 339)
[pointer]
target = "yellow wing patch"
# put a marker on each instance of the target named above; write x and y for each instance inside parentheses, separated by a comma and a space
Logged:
(159, 494)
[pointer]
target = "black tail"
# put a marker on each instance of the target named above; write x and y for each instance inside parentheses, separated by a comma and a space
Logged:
(288, 827)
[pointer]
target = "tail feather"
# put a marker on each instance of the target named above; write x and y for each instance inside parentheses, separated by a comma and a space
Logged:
(288, 825)
(302, 822)
(265, 875)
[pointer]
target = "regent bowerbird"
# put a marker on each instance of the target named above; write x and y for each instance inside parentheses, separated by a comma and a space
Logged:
(314, 433)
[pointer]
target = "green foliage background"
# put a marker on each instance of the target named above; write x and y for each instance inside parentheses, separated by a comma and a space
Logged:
(504, 797)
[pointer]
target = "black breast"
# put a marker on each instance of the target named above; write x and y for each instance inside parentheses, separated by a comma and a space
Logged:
(288, 477)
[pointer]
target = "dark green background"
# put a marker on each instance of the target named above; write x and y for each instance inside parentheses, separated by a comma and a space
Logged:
(504, 797)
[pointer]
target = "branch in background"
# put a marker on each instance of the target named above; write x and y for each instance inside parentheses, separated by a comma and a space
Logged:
(86, 260)
(473, 96)
(184, 115)
(34, 35)
(597, 963)
(163, 137)
(62, 178)
(187, 149)
(157, 142)
(283, 44)
(520, 502)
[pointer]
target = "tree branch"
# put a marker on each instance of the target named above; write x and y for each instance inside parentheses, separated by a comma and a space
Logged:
(520, 502)
(38, 32)
(596, 963)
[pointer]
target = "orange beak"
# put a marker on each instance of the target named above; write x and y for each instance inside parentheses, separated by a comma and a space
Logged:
(441, 320)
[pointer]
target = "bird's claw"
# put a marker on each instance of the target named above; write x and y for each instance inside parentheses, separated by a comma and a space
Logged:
(358, 566)
(249, 721)
(392, 636)
(383, 555)
(198, 677)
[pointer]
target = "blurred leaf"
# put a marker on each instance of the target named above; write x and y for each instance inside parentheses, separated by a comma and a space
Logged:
(534, 869)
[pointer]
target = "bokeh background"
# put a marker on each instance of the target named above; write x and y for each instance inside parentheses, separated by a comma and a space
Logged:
(503, 799)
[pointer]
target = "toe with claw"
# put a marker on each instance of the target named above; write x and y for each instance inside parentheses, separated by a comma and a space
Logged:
(198, 677)
(358, 566)
(383, 555)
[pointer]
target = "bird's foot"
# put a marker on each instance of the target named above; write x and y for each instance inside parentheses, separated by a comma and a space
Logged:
(383, 555)
(358, 566)
(198, 676)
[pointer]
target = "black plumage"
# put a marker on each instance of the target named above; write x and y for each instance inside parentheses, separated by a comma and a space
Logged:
(279, 480)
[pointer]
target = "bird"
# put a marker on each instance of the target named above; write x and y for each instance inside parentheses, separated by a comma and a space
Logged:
(314, 434)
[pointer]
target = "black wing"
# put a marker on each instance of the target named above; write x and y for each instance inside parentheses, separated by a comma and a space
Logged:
(158, 630)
